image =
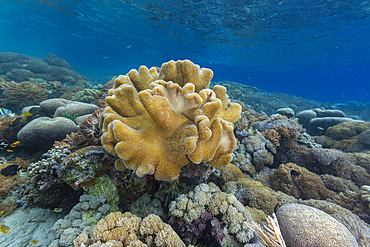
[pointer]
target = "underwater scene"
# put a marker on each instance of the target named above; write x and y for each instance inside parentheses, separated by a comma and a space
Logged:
(180, 123)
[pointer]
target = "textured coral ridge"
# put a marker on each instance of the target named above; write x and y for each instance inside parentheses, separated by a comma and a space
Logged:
(156, 122)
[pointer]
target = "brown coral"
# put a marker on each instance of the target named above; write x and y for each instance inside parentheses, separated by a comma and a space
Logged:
(273, 136)
(19, 95)
(88, 135)
(306, 185)
(156, 122)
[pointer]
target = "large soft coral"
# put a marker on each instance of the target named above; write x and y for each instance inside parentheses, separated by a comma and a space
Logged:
(158, 121)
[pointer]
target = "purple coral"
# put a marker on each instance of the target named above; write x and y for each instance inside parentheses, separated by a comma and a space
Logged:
(206, 229)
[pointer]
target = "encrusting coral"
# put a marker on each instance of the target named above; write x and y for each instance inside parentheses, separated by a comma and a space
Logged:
(157, 122)
(83, 166)
(81, 219)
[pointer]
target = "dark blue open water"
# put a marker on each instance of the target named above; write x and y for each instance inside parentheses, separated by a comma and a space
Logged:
(315, 49)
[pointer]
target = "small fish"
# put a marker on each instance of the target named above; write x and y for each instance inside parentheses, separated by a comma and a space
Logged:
(105, 57)
(4, 112)
(34, 242)
(320, 128)
(10, 151)
(129, 46)
(58, 210)
(4, 229)
(294, 173)
(39, 80)
(15, 144)
(10, 170)
(26, 114)
(24, 65)
(1, 212)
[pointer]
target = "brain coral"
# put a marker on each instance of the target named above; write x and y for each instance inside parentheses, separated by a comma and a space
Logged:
(303, 225)
(156, 121)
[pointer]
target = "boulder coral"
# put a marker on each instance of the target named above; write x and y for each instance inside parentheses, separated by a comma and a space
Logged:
(307, 226)
(157, 121)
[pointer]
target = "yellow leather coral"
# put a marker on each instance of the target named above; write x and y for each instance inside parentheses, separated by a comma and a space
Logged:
(156, 121)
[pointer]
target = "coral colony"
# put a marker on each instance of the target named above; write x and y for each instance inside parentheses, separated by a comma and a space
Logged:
(163, 159)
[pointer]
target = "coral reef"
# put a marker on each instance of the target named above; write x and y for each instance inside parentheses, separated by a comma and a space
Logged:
(43, 188)
(304, 184)
(338, 184)
(9, 128)
(81, 219)
(253, 150)
(208, 198)
(355, 110)
(249, 192)
(87, 95)
(171, 115)
(286, 111)
(147, 205)
(365, 194)
(347, 130)
(18, 95)
(100, 97)
(42, 132)
(104, 186)
(330, 161)
(18, 67)
(119, 229)
(264, 102)
(88, 135)
(307, 226)
(269, 236)
(358, 228)
(353, 201)
(317, 120)
(84, 165)
(57, 107)
(346, 136)
(9, 183)
(360, 159)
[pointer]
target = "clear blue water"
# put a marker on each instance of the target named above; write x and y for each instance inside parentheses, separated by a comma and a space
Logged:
(315, 49)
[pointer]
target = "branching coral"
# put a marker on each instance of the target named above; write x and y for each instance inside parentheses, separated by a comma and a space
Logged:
(44, 188)
(156, 122)
(209, 198)
(271, 235)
